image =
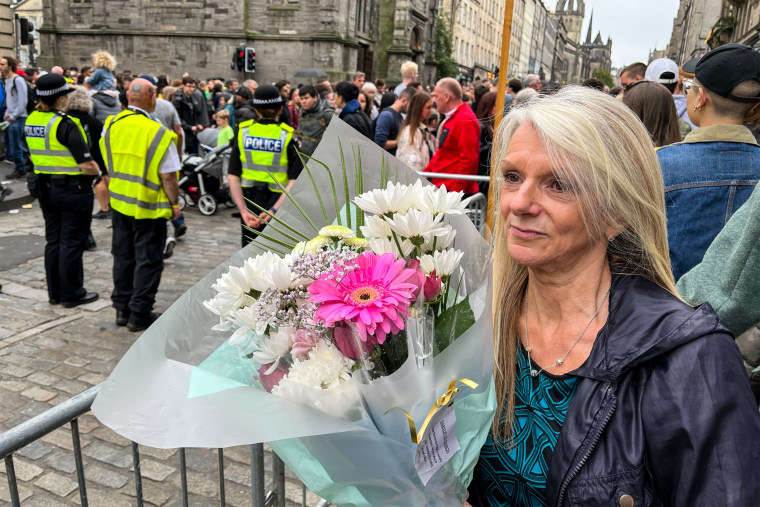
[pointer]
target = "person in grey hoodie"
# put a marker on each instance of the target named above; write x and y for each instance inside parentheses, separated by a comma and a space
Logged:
(105, 103)
(316, 114)
(15, 113)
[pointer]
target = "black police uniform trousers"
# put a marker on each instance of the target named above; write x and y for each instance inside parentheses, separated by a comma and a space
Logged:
(261, 195)
(138, 261)
(66, 202)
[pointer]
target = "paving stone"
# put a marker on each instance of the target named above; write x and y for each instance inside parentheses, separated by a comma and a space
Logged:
(62, 438)
(38, 394)
(109, 498)
(87, 423)
(67, 371)
(238, 473)
(201, 484)
(92, 378)
(107, 478)
(15, 371)
(154, 470)
(154, 493)
(161, 454)
(13, 385)
(71, 387)
(76, 361)
(24, 493)
(56, 484)
(63, 462)
(40, 364)
(106, 454)
(111, 437)
(35, 450)
(202, 460)
(44, 379)
(34, 408)
(25, 471)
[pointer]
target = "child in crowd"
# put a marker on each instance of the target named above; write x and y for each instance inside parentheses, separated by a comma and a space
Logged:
(102, 77)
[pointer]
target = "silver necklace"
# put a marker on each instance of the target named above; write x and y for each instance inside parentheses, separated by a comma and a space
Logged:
(558, 362)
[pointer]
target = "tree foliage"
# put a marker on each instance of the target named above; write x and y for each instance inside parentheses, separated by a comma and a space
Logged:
(605, 77)
(444, 48)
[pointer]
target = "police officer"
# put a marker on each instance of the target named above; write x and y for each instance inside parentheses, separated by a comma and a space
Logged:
(142, 160)
(263, 162)
(59, 150)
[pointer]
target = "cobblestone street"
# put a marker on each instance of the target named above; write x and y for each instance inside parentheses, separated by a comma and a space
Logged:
(49, 354)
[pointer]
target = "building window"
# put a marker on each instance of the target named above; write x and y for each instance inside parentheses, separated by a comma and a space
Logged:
(171, 3)
(364, 10)
(80, 2)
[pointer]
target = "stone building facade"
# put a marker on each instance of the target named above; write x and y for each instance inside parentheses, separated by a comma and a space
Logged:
(691, 27)
(7, 31)
(200, 36)
(746, 14)
(581, 59)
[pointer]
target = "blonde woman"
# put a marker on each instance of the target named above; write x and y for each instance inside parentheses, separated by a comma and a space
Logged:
(612, 390)
(415, 144)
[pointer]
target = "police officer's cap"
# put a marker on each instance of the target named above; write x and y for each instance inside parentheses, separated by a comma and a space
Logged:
(267, 96)
(51, 86)
(723, 68)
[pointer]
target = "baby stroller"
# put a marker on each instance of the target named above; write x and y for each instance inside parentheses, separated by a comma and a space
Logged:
(201, 181)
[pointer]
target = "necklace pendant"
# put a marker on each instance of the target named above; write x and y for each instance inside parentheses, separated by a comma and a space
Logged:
(559, 362)
(533, 373)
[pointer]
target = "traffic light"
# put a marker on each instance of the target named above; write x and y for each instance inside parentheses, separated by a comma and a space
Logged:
(26, 31)
(250, 60)
(238, 59)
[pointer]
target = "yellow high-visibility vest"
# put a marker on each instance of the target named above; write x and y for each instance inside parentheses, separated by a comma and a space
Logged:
(264, 153)
(132, 148)
(48, 155)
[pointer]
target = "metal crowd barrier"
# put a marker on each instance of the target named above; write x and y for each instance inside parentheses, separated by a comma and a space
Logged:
(477, 208)
(70, 410)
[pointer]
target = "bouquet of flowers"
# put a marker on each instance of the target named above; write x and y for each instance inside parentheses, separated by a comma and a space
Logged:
(361, 353)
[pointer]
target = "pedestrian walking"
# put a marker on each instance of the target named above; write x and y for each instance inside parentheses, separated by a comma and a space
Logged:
(263, 162)
(142, 160)
(415, 144)
(65, 169)
(316, 114)
(16, 97)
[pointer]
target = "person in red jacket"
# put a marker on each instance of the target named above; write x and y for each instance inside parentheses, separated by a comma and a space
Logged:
(458, 138)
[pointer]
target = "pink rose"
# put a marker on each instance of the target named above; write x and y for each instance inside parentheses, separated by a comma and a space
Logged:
(418, 278)
(303, 342)
(432, 286)
(273, 379)
(350, 344)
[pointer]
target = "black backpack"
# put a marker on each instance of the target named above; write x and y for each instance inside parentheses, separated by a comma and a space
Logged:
(32, 99)
(374, 123)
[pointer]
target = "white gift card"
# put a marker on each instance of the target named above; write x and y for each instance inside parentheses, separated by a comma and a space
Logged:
(438, 444)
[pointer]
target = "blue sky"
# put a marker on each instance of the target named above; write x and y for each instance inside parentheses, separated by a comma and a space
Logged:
(636, 26)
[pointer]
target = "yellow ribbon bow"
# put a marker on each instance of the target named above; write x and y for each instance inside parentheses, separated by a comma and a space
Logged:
(440, 402)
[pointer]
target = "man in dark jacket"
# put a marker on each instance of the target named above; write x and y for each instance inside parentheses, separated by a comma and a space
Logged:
(243, 107)
(192, 113)
(346, 94)
(316, 114)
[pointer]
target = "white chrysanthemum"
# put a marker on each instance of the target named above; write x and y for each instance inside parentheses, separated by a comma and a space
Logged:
(445, 261)
(417, 225)
(325, 367)
(440, 242)
(376, 227)
(318, 243)
(249, 319)
(427, 264)
(438, 200)
(234, 288)
(388, 245)
(336, 232)
(356, 243)
(273, 347)
(394, 198)
(300, 248)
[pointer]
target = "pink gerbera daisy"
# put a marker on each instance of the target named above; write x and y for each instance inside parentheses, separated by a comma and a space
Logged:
(374, 297)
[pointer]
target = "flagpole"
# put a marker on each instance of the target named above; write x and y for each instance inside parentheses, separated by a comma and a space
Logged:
(501, 92)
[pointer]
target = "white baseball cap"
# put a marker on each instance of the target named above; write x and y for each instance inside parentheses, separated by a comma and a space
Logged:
(658, 67)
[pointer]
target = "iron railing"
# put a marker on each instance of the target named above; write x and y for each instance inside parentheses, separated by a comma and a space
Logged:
(69, 412)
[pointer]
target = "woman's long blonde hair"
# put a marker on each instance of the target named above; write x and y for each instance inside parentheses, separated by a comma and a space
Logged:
(600, 147)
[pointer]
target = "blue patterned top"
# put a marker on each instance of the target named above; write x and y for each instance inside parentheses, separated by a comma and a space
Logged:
(517, 475)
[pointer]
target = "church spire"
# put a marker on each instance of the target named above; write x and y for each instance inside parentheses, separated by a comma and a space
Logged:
(590, 24)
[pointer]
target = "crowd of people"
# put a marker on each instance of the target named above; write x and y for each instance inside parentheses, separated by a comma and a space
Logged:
(616, 207)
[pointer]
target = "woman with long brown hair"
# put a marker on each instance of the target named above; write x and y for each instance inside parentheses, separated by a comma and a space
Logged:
(415, 144)
(486, 114)
(654, 105)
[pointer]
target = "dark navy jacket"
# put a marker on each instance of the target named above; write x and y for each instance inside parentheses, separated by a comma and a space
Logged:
(663, 411)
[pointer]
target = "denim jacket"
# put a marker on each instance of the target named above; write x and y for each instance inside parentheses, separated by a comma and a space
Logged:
(707, 178)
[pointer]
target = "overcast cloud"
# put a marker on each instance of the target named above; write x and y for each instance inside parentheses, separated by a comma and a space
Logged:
(636, 26)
